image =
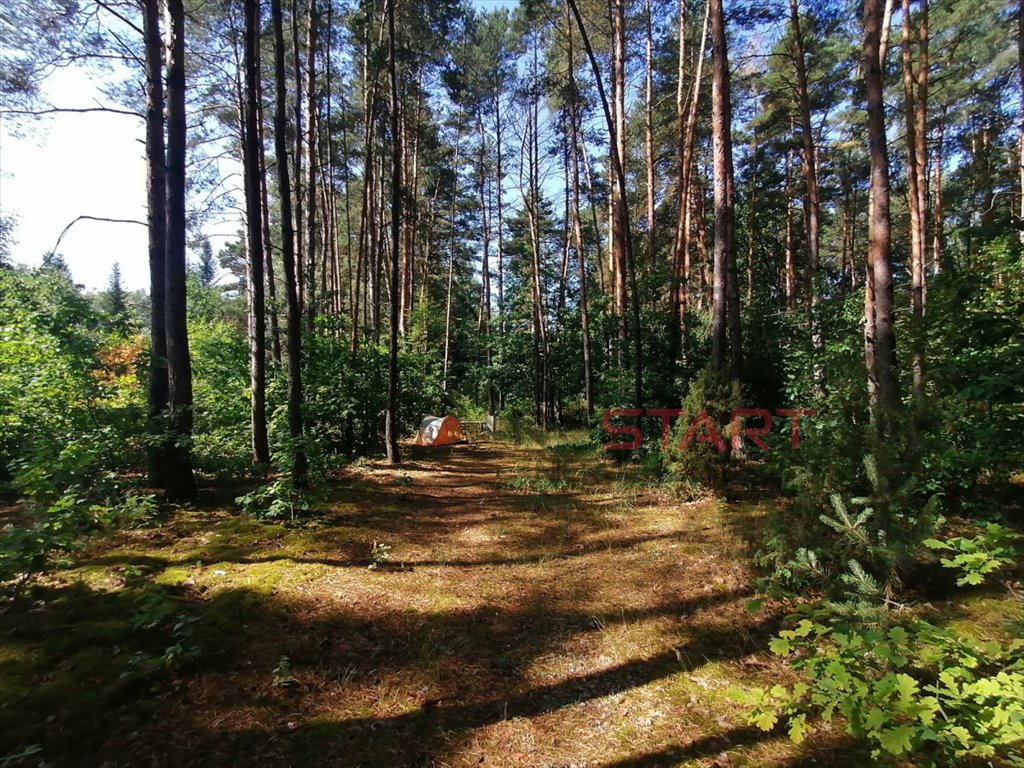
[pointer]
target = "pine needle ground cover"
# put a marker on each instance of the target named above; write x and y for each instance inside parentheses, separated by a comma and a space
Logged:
(579, 616)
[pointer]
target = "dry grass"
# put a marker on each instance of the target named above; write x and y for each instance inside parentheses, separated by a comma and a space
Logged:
(541, 609)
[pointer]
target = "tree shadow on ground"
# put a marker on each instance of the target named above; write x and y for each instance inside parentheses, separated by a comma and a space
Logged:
(338, 666)
(447, 673)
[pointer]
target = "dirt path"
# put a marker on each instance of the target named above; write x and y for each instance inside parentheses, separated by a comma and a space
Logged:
(541, 608)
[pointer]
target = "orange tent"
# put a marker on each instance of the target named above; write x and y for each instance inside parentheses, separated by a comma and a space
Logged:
(440, 430)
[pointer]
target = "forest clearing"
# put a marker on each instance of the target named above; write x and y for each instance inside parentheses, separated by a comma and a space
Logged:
(741, 285)
(483, 604)
(539, 607)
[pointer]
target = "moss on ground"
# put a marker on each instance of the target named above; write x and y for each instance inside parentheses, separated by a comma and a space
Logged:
(583, 616)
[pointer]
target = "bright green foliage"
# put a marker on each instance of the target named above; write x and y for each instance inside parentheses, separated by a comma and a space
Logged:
(221, 397)
(978, 556)
(278, 500)
(70, 411)
(283, 677)
(976, 366)
(346, 397)
(913, 688)
(380, 555)
(56, 528)
(56, 388)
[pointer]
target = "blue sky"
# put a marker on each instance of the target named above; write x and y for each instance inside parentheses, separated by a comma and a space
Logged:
(91, 164)
(71, 165)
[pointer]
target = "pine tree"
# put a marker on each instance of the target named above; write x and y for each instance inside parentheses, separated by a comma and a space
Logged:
(115, 303)
(206, 269)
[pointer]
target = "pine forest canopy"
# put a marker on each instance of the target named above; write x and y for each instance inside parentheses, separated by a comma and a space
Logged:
(740, 283)
(549, 209)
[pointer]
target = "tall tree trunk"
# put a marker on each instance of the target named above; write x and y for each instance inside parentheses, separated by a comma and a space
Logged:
(156, 220)
(594, 218)
(532, 204)
(701, 237)
(367, 218)
(254, 230)
(915, 112)
(938, 217)
(620, 209)
(294, 338)
(723, 335)
(883, 45)
(790, 257)
(298, 178)
(271, 281)
(577, 226)
(649, 132)
(410, 173)
(179, 480)
(617, 147)
(485, 267)
(687, 132)
(1020, 117)
(882, 346)
(499, 173)
(391, 416)
(451, 266)
(752, 228)
(812, 201)
(313, 162)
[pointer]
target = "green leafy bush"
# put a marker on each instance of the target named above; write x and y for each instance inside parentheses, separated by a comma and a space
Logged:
(911, 689)
(978, 556)
(380, 555)
(873, 539)
(278, 500)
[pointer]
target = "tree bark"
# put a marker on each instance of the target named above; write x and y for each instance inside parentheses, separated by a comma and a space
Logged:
(687, 132)
(271, 280)
(485, 266)
(1020, 118)
(617, 147)
(254, 230)
(790, 263)
(620, 209)
(298, 178)
(915, 113)
(312, 163)
(649, 132)
(499, 173)
(294, 337)
(882, 345)
(577, 226)
(812, 200)
(179, 480)
(938, 217)
(391, 415)
(451, 266)
(156, 204)
(725, 336)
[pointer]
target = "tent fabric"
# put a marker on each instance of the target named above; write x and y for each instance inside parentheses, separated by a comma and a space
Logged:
(440, 430)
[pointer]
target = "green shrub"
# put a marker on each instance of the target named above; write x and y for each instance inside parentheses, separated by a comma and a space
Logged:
(380, 555)
(278, 500)
(978, 556)
(911, 689)
(702, 459)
